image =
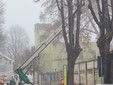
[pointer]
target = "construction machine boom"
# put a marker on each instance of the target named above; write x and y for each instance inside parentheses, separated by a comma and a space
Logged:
(35, 54)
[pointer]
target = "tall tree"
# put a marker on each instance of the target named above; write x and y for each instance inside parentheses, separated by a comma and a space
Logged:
(17, 41)
(104, 20)
(71, 37)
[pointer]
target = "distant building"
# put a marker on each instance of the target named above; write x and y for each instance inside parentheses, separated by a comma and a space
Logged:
(6, 67)
(54, 56)
(89, 49)
(40, 32)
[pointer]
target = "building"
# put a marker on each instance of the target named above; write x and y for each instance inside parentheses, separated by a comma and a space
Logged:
(54, 55)
(6, 67)
(55, 52)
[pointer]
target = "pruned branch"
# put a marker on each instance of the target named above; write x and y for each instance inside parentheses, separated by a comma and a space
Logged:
(58, 5)
(74, 13)
(79, 4)
(63, 24)
(99, 10)
(70, 22)
(93, 13)
(105, 15)
(112, 15)
(112, 7)
(77, 10)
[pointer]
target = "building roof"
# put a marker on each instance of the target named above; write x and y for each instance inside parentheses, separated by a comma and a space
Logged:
(47, 26)
(42, 26)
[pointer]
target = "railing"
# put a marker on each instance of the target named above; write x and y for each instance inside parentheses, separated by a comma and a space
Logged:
(86, 73)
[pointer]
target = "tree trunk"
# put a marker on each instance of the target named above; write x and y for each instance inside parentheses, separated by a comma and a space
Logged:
(107, 63)
(110, 66)
(112, 71)
(70, 72)
(107, 70)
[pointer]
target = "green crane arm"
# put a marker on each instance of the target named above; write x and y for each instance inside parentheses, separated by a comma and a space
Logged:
(22, 76)
(35, 54)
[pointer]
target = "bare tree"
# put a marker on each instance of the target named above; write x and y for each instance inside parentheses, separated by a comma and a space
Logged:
(69, 12)
(104, 20)
(24, 55)
(71, 37)
(17, 41)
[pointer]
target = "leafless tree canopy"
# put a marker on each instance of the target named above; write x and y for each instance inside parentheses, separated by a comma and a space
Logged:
(17, 41)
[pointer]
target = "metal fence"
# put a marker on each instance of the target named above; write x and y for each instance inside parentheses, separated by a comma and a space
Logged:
(52, 78)
(86, 73)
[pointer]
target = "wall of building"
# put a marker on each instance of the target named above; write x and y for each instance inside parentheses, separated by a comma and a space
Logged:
(54, 56)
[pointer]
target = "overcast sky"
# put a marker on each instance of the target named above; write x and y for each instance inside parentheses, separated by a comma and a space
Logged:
(24, 13)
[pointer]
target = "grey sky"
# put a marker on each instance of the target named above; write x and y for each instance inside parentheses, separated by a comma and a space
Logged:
(24, 13)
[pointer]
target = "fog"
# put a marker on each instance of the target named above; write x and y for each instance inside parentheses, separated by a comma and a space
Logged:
(24, 13)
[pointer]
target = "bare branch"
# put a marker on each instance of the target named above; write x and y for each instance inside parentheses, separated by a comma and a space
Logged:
(58, 5)
(63, 24)
(94, 27)
(112, 7)
(99, 10)
(70, 22)
(77, 10)
(93, 13)
(74, 13)
(106, 16)
(89, 31)
(79, 4)
(112, 15)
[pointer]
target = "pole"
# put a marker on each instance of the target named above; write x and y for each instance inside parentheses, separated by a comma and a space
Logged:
(65, 74)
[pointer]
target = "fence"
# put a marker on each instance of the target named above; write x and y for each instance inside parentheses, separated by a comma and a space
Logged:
(51, 78)
(86, 73)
